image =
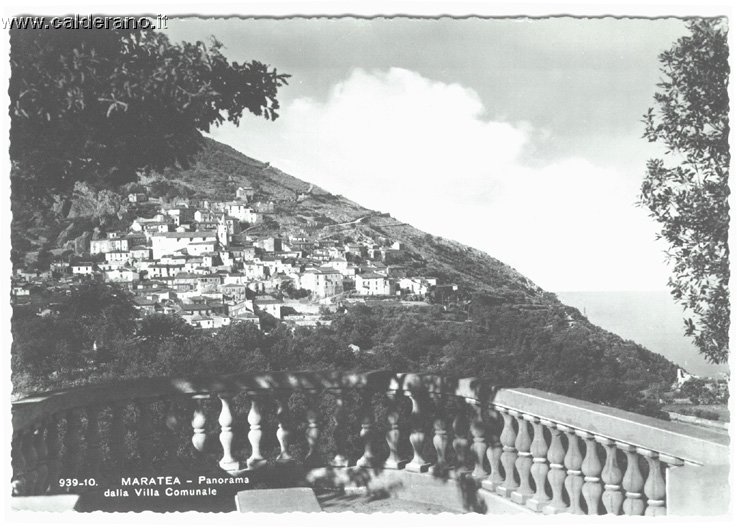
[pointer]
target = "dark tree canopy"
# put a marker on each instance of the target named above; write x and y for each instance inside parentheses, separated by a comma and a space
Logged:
(99, 105)
(688, 196)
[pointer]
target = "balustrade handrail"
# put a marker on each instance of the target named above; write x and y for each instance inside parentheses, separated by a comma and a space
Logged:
(679, 441)
(30, 409)
(675, 440)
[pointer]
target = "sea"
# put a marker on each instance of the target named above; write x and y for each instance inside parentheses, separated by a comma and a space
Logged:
(650, 318)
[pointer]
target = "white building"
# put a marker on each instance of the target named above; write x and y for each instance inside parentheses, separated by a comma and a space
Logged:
(243, 213)
(83, 268)
(417, 285)
(372, 284)
(167, 243)
(106, 245)
(197, 249)
(269, 305)
(340, 264)
(203, 216)
(121, 275)
(247, 317)
(322, 282)
(117, 256)
(140, 253)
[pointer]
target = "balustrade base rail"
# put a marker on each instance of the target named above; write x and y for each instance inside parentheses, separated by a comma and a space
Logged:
(537, 451)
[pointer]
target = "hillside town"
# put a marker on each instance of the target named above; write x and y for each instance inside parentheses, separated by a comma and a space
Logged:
(197, 259)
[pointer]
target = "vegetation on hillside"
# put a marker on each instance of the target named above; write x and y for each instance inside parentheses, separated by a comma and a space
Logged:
(92, 336)
(91, 109)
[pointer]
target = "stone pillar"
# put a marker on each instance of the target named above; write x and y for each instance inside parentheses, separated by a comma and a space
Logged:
(539, 470)
(418, 464)
(611, 475)
(393, 435)
(632, 482)
(524, 459)
(591, 469)
(494, 453)
(368, 458)
(509, 455)
(312, 433)
(654, 485)
(557, 472)
(440, 437)
(227, 462)
(341, 456)
(199, 421)
(478, 434)
(255, 433)
(283, 432)
(574, 477)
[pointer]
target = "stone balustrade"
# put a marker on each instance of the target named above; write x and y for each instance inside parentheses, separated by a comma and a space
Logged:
(544, 452)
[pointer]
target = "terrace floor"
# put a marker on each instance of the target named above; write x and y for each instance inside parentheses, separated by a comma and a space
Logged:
(331, 502)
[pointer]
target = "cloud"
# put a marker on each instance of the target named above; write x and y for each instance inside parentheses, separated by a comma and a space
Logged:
(427, 152)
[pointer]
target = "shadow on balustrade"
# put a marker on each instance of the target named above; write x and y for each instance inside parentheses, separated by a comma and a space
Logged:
(453, 410)
(392, 424)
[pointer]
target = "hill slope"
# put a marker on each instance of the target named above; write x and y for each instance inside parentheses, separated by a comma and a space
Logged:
(219, 170)
(498, 323)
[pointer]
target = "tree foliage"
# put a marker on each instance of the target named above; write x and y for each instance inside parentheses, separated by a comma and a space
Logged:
(510, 347)
(689, 198)
(97, 106)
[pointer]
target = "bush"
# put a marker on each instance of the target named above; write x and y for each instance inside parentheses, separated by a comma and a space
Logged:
(706, 415)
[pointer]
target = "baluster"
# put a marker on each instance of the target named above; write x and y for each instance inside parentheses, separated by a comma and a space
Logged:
(418, 464)
(227, 462)
(654, 484)
(478, 434)
(557, 472)
(170, 434)
(591, 468)
(509, 455)
(39, 440)
(254, 433)
(632, 482)
(283, 432)
(145, 434)
(524, 459)
(539, 470)
(18, 485)
(313, 432)
(52, 450)
(494, 455)
(611, 476)
(31, 458)
(574, 477)
(92, 438)
(367, 432)
(393, 434)
(339, 433)
(72, 441)
(199, 421)
(440, 436)
(460, 439)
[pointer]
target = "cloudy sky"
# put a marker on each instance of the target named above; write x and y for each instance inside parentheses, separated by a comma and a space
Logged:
(521, 137)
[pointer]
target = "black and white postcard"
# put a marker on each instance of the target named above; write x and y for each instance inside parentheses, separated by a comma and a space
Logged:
(432, 259)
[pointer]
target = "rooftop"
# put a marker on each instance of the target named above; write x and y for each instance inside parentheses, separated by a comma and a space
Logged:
(187, 234)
